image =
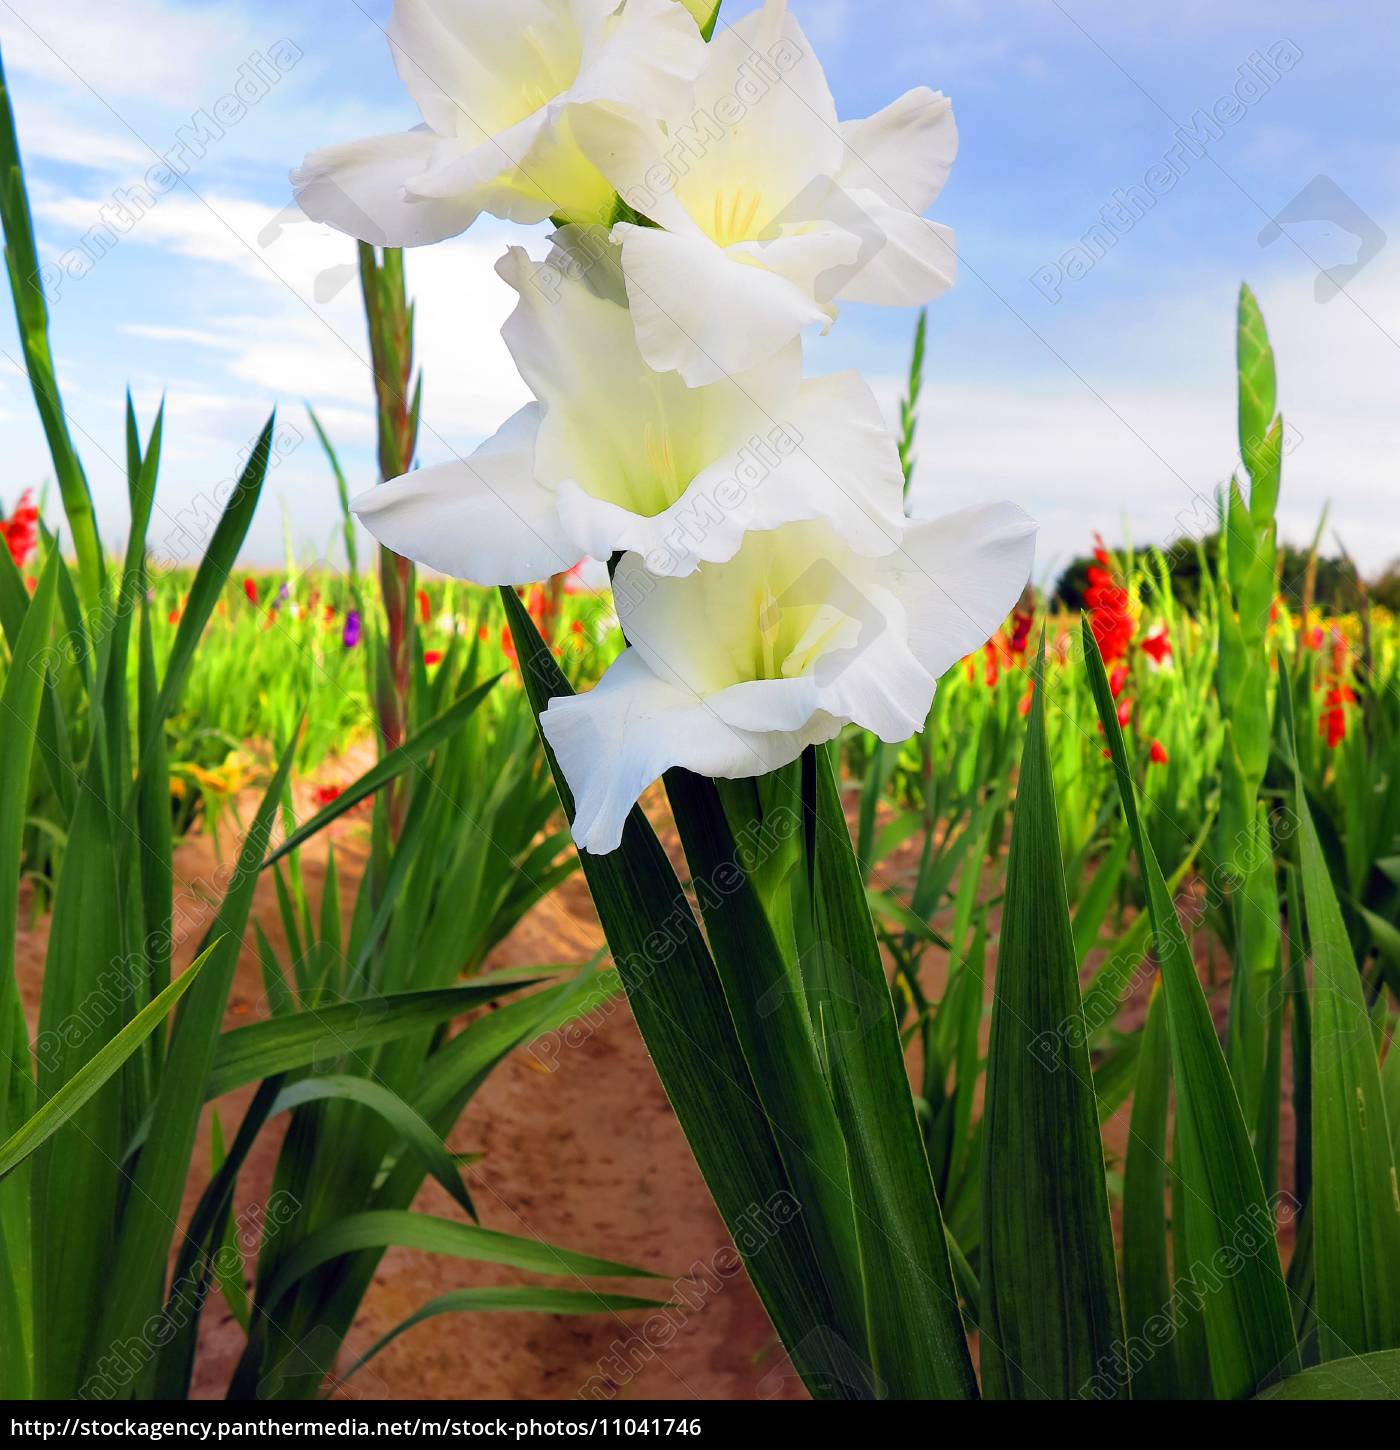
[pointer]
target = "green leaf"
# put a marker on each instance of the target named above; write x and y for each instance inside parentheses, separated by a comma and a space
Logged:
(766, 1002)
(157, 1185)
(401, 1117)
(1229, 1223)
(918, 1344)
(509, 1298)
(385, 1227)
(1360, 1377)
(1147, 1287)
(32, 316)
(410, 753)
(1049, 1316)
(284, 1044)
(1355, 1208)
(210, 578)
(90, 1078)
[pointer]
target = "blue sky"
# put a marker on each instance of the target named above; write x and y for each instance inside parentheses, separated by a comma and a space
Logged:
(1097, 395)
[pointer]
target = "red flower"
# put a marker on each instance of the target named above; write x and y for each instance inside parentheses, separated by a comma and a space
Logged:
(1332, 723)
(250, 589)
(1158, 753)
(21, 530)
(1025, 706)
(1157, 646)
(1021, 623)
(1107, 602)
(1117, 680)
(325, 794)
(1313, 638)
(993, 669)
(1125, 713)
(174, 616)
(425, 608)
(432, 657)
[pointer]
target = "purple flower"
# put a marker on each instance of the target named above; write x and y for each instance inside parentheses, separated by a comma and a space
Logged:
(350, 637)
(283, 594)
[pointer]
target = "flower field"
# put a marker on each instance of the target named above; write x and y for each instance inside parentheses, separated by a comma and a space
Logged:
(1014, 965)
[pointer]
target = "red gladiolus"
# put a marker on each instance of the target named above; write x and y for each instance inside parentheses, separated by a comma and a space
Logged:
(992, 672)
(21, 529)
(425, 608)
(1158, 753)
(1021, 623)
(174, 616)
(508, 646)
(432, 657)
(1157, 646)
(1313, 638)
(1117, 680)
(1107, 602)
(1025, 706)
(1332, 723)
(250, 589)
(1125, 713)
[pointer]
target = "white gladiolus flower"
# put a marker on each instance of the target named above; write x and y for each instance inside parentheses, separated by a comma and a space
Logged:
(734, 670)
(615, 457)
(762, 197)
(499, 84)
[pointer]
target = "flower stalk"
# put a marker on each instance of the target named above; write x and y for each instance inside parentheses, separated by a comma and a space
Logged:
(398, 397)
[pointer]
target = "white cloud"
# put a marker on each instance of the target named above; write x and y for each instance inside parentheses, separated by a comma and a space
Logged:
(1148, 453)
(139, 48)
(297, 330)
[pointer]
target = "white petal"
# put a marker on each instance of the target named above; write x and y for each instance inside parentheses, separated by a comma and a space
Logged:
(516, 175)
(907, 259)
(631, 728)
(703, 314)
(483, 519)
(767, 43)
(904, 152)
(467, 65)
(826, 455)
(644, 59)
(959, 576)
(846, 467)
(359, 188)
(700, 635)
